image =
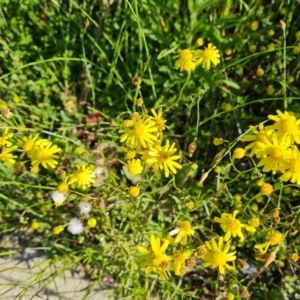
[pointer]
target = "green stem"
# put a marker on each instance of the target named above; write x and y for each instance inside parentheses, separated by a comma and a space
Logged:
(284, 70)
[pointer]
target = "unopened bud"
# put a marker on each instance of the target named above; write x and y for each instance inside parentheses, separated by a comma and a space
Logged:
(136, 80)
(139, 102)
(192, 147)
(203, 177)
(282, 25)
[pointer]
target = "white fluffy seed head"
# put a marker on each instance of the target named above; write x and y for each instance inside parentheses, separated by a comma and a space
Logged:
(58, 197)
(75, 226)
(84, 208)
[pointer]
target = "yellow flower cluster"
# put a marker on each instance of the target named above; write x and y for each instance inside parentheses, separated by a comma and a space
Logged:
(143, 137)
(154, 259)
(39, 151)
(276, 146)
(189, 59)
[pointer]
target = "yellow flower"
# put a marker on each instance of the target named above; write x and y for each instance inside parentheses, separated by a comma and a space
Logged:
(140, 133)
(293, 167)
(259, 140)
(92, 222)
(186, 60)
(294, 257)
(159, 120)
(35, 225)
(286, 125)
(44, 154)
(275, 153)
(58, 229)
(200, 42)
(266, 189)
(134, 191)
(254, 222)
(4, 139)
(230, 296)
(179, 259)
(232, 226)
(161, 157)
(28, 144)
(185, 229)
(154, 259)
(205, 57)
(134, 166)
(64, 186)
(84, 177)
(239, 153)
(6, 156)
(273, 238)
(217, 255)
(130, 154)
(275, 212)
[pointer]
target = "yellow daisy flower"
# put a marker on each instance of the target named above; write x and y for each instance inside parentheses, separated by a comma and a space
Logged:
(28, 144)
(258, 140)
(159, 120)
(205, 57)
(134, 166)
(140, 133)
(6, 156)
(293, 167)
(286, 125)
(45, 154)
(134, 191)
(4, 139)
(273, 238)
(183, 231)
(186, 61)
(217, 255)
(84, 177)
(275, 154)
(179, 259)
(232, 226)
(154, 259)
(161, 157)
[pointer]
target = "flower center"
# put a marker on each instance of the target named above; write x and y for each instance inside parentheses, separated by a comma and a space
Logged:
(43, 155)
(2, 141)
(295, 167)
(138, 130)
(157, 260)
(260, 137)
(185, 226)
(275, 238)
(82, 175)
(234, 225)
(289, 125)
(277, 153)
(208, 53)
(186, 54)
(160, 123)
(179, 258)
(218, 258)
(164, 265)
